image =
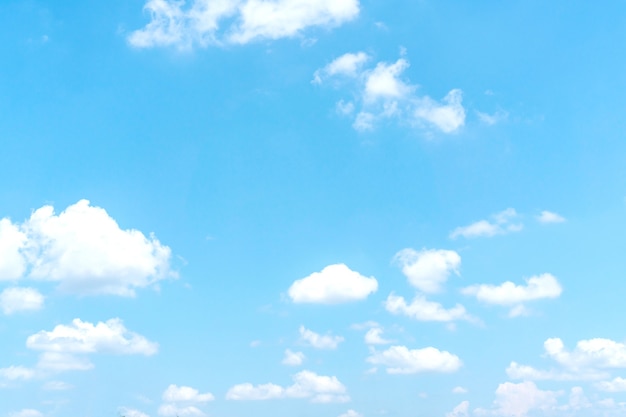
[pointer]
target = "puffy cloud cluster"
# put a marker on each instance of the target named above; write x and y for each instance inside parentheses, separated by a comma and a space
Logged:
(306, 385)
(183, 401)
(401, 360)
(335, 284)
(382, 94)
(83, 249)
(217, 22)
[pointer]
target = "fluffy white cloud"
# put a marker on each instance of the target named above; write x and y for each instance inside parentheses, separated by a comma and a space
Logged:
(293, 358)
(215, 22)
(12, 241)
(547, 217)
(544, 286)
(84, 337)
(428, 269)
(501, 223)
(174, 393)
(84, 250)
(306, 385)
(131, 412)
(374, 337)
(461, 410)
(615, 385)
(383, 94)
(14, 300)
(13, 373)
(423, 310)
(589, 360)
(401, 360)
(175, 410)
(333, 285)
(28, 412)
(319, 341)
(517, 400)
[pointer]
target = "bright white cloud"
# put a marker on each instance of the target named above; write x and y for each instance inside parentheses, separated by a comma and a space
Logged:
(383, 94)
(501, 223)
(131, 412)
(15, 300)
(306, 385)
(13, 373)
(401, 360)
(547, 217)
(12, 241)
(544, 286)
(374, 337)
(28, 412)
(216, 22)
(293, 358)
(428, 269)
(84, 337)
(174, 393)
(319, 341)
(84, 250)
(461, 410)
(517, 400)
(615, 385)
(333, 285)
(423, 310)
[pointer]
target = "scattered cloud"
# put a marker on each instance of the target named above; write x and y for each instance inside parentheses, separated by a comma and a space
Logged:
(423, 310)
(351, 413)
(333, 285)
(131, 412)
(382, 94)
(500, 224)
(306, 385)
(517, 400)
(319, 341)
(401, 360)
(548, 217)
(459, 390)
(174, 393)
(16, 299)
(293, 358)
(428, 269)
(615, 385)
(175, 410)
(84, 250)
(374, 337)
(494, 118)
(205, 23)
(461, 410)
(13, 373)
(544, 286)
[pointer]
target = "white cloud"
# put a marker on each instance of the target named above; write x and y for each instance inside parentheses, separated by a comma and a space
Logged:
(401, 360)
(318, 341)
(12, 241)
(383, 94)
(62, 386)
(14, 300)
(215, 22)
(501, 223)
(547, 217)
(175, 410)
(28, 412)
(492, 119)
(84, 337)
(174, 393)
(544, 286)
(461, 410)
(13, 373)
(589, 360)
(131, 412)
(333, 285)
(351, 413)
(306, 385)
(293, 358)
(428, 269)
(423, 310)
(374, 337)
(517, 400)
(84, 250)
(459, 390)
(615, 385)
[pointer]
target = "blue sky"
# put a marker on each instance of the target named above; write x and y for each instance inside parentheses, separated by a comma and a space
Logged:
(316, 208)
